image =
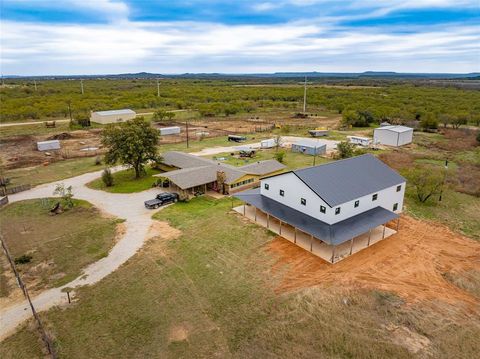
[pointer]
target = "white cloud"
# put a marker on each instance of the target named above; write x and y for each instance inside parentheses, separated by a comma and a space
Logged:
(174, 47)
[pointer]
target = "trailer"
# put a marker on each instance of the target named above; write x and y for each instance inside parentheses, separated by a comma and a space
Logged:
(173, 130)
(318, 132)
(360, 141)
(270, 143)
(235, 138)
(48, 145)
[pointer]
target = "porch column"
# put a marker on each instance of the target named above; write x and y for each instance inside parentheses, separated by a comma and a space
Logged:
(205, 188)
(243, 208)
(280, 230)
(369, 236)
(268, 220)
(351, 246)
(383, 235)
(294, 234)
(255, 214)
(398, 223)
(311, 243)
(333, 253)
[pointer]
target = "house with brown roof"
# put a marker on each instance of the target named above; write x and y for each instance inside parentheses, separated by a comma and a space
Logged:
(189, 174)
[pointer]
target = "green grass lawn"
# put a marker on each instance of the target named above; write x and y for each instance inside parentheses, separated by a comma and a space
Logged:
(60, 245)
(125, 181)
(210, 293)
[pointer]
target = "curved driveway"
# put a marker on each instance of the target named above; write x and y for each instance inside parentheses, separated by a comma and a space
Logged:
(127, 206)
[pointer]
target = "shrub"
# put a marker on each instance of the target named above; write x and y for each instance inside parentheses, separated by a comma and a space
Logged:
(98, 161)
(66, 194)
(280, 156)
(345, 149)
(23, 259)
(107, 177)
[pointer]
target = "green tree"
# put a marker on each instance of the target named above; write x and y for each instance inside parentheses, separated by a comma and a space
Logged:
(132, 143)
(429, 122)
(460, 119)
(349, 118)
(345, 149)
(279, 156)
(162, 115)
(427, 182)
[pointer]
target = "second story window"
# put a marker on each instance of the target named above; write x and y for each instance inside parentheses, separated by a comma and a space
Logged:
(374, 197)
(399, 188)
(303, 201)
(357, 203)
(322, 209)
(266, 186)
(395, 206)
(337, 210)
(282, 193)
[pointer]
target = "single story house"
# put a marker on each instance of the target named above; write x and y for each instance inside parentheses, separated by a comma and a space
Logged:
(393, 135)
(360, 141)
(333, 209)
(309, 147)
(112, 116)
(189, 174)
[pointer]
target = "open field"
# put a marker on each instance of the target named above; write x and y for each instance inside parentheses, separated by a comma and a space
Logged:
(60, 246)
(225, 291)
(125, 181)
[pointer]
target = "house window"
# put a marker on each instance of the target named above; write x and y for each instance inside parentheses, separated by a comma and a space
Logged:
(357, 203)
(337, 210)
(374, 197)
(266, 186)
(282, 192)
(395, 206)
(399, 188)
(303, 201)
(322, 209)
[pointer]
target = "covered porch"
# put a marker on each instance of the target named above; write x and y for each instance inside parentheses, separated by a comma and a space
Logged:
(332, 249)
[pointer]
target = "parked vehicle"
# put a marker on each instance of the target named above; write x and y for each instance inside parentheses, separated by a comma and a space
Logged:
(161, 200)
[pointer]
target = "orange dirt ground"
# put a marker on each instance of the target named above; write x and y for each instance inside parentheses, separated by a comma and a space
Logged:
(410, 263)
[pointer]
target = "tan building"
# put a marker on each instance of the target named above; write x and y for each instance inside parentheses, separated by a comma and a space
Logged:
(112, 116)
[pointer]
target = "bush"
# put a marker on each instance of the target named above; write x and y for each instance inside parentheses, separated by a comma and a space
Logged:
(107, 177)
(280, 156)
(23, 259)
(429, 122)
(345, 149)
(98, 161)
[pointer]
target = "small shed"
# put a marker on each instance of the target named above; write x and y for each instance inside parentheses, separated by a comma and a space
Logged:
(361, 141)
(318, 132)
(309, 147)
(270, 143)
(48, 145)
(173, 130)
(112, 116)
(393, 135)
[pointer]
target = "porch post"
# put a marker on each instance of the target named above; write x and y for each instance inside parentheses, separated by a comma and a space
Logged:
(294, 234)
(311, 243)
(333, 253)
(280, 230)
(268, 220)
(351, 246)
(243, 208)
(369, 236)
(383, 235)
(255, 214)
(398, 223)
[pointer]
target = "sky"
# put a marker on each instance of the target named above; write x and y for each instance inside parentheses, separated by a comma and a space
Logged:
(75, 37)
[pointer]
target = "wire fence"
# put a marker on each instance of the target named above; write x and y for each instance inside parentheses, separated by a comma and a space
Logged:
(46, 339)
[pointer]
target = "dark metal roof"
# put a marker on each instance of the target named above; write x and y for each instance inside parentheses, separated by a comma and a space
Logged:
(345, 180)
(329, 233)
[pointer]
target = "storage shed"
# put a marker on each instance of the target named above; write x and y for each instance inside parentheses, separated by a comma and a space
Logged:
(173, 130)
(112, 116)
(309, 147)
(270, 143)
(48, 145)
(393, 135)
(318, 132)
(361, 141)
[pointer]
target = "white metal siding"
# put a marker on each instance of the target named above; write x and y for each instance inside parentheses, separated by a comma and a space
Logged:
(169, 130)
(405, 138)
(48, 145)
(385, 137)
(114, 118)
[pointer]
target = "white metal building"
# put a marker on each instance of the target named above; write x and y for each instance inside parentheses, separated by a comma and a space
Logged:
(393, 135)
(309, 146)
(361, 141)
(48, 145)
(270, 143)
(173, 130)
(112, 116)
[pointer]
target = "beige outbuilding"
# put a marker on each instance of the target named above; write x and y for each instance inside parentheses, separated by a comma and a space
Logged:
(112, 116)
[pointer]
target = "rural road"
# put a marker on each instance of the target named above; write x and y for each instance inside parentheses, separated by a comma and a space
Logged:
(128, 206)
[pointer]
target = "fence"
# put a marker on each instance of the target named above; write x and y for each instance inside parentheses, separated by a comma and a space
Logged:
(3, 201)
(46, 339)
(4, 191)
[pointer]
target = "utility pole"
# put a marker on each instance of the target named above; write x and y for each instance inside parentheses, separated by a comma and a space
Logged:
(158, 88)
(81, 85)
(70, 110)
(444, 180)
(35, 84)
(186, 126)
(305, 96)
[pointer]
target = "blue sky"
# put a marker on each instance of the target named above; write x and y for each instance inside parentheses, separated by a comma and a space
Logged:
(41, 37)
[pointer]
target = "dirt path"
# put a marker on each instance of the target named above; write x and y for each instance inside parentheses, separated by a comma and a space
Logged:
(137, 230)
(411, 263)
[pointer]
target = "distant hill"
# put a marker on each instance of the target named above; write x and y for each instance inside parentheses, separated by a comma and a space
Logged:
(333, 75)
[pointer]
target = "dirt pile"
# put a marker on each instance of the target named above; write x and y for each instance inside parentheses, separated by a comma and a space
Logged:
(413, 263)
